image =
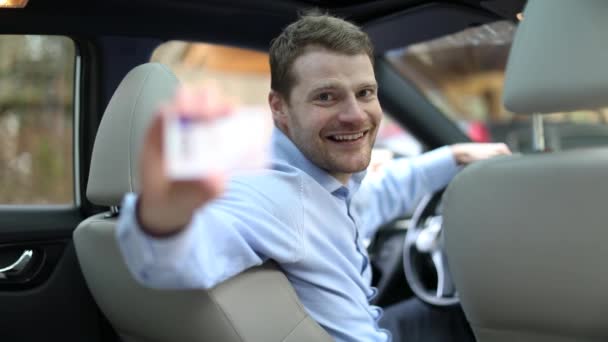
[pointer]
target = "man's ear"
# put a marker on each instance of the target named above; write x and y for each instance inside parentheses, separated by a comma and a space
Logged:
(279, 109)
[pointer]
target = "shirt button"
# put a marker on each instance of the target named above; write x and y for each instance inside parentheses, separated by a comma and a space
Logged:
(341, 193)
(377, 313)
(372, 294)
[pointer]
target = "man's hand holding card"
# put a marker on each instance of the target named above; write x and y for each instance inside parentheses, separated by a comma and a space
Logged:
(196, 146)
(193, 145)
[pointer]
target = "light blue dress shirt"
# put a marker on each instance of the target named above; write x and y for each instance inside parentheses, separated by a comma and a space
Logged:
(303, 218)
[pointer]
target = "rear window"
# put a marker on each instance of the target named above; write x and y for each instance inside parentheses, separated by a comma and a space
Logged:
(462, 74)
(242, 74)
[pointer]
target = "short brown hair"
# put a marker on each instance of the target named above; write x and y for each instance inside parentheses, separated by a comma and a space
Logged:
(313, 29)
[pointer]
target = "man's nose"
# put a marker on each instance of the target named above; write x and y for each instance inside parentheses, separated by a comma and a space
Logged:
(353, 111)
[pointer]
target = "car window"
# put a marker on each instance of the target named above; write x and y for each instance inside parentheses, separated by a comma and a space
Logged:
(462, 74)
(245, 76)
(241, 74)
(36, 119)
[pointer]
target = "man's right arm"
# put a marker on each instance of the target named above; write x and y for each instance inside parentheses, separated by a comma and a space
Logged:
(158, 262)
(156, 230)
(191, 233)
(223, 238)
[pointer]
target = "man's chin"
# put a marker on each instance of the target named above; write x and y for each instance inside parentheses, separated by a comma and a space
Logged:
(351, 167)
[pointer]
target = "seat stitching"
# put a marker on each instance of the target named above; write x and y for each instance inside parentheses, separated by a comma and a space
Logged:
(294, 328)
(226, 316)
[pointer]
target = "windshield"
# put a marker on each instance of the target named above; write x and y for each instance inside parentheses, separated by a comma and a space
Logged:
(462, 74)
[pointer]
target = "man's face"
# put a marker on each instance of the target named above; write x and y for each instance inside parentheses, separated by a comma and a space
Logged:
(333, 113)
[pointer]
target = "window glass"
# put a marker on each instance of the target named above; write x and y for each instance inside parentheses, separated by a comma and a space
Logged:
(242, 74)
(462, 74)
(36, 115)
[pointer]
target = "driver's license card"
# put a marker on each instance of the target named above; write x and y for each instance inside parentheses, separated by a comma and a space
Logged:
(194, 146)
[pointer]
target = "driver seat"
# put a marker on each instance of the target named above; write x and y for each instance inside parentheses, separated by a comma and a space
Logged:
(257, 305)
(526, 235)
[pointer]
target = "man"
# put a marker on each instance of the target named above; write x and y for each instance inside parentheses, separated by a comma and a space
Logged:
(195, 234)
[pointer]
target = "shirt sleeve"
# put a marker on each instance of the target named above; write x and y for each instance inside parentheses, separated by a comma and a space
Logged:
(400, 186)
(223, 239)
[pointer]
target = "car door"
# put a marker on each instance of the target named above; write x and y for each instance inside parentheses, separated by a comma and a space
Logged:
(43, 295)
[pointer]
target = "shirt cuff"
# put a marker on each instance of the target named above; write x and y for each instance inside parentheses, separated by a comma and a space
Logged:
(145, 253)
(439, 167)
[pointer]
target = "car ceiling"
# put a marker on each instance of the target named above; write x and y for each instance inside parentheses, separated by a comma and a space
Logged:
(227, 21)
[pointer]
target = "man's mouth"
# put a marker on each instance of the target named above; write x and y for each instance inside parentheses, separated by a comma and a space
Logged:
(346, 138)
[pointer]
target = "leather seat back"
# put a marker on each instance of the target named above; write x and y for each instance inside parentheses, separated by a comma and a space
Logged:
(525, 238)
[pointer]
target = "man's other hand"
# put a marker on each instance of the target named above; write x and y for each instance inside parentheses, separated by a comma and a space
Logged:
(470, 152)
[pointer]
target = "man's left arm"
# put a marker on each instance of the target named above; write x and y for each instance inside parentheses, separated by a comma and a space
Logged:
(401, 183)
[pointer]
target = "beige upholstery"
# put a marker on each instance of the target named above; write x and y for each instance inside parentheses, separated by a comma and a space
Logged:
(258, 305)
(114, 160)
(558, 58)
(526, 242)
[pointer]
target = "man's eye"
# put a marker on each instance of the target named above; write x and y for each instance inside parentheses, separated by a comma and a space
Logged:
(366, 93)
(325, 97)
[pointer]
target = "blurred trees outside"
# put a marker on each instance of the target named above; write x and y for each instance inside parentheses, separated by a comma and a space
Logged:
(36, 119)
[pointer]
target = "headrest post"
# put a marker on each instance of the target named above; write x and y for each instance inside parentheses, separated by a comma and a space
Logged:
(538, 133)
(114, 211)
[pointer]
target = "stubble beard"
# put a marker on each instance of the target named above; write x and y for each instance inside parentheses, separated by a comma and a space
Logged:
(338, 164)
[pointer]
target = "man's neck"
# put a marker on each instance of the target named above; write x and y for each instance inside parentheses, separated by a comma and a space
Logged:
(342, 177)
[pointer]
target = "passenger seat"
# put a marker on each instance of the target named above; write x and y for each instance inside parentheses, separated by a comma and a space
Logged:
(257, 306)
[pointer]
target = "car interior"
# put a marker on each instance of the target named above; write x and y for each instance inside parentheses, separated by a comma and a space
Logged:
(516, 240)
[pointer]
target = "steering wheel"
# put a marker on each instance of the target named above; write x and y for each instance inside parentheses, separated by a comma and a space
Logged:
(424, 259)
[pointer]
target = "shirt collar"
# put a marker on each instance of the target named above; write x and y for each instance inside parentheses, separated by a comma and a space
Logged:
(284, 150)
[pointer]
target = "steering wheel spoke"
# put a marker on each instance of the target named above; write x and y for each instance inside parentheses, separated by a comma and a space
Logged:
(445, 286)
(424, 239)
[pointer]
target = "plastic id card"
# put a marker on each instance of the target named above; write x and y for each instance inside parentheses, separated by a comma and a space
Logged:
(194, 146)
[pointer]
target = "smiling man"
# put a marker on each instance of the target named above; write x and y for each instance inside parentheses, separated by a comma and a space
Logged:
(332, 113)
(300, 212)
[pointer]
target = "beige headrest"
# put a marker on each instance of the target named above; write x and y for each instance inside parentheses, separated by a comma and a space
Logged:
(115, 153)
(558, 61)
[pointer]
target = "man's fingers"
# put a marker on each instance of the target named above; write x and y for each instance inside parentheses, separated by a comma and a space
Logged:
(490, 150)
(470, 152)
(503, 148)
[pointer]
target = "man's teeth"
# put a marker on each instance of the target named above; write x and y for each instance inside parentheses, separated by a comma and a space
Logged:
(346, 137)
